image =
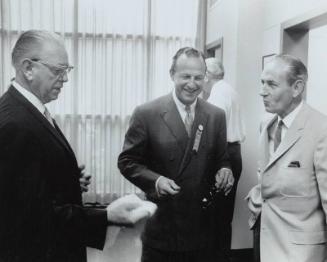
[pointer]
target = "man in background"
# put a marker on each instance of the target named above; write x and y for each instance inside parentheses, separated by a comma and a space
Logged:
(176, 145)
(42, 216)
(219, 93)
(290, 200)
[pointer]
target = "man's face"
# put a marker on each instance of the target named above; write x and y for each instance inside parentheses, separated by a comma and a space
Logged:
(278, 96)
(49, 76)
(188, 78)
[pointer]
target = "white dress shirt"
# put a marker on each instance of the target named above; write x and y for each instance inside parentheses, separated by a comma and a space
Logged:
(287, 120)
(224, 96)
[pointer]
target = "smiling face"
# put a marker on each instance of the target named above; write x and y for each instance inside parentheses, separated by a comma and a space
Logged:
(188, 78)
(279, 97)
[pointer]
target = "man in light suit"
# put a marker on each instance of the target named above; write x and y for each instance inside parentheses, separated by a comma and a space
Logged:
(174, 147)
(291, 197)
(42, 217)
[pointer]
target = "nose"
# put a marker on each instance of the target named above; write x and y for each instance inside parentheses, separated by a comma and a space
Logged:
(263, 91)
(64, 77)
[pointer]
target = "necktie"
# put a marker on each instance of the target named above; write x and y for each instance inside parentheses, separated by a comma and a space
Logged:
(48, 116)
(188, 120)
(278, 134)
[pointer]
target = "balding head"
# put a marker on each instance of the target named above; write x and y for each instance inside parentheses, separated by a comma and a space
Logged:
(215, 68)
(32, 43)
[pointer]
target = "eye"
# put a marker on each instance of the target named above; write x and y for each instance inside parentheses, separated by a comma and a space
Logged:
(199, 78)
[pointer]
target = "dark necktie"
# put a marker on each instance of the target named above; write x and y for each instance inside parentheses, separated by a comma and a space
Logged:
(278, 134)
(188, 120)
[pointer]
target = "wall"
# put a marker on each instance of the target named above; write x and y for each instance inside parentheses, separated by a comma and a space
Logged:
(223, 22)
(240, 25)
(279, 11)
(317, 68)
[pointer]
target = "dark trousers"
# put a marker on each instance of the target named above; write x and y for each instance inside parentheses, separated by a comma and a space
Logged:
(256, 240)
(225, 205)
(150, 254)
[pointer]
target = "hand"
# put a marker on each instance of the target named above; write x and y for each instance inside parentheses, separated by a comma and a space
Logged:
(127, 210)
(84, 179)
(166, 186)
(224, 180)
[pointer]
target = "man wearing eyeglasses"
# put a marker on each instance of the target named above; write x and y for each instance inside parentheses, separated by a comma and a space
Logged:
(42, 217)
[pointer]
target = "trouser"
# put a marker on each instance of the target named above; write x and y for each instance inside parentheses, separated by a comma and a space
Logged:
(150, 254)
(225, 207)
(256, 240)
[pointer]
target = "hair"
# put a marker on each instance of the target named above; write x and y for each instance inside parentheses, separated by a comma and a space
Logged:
(189, 52)
(296, 69)
(31, 42)
(215, 67)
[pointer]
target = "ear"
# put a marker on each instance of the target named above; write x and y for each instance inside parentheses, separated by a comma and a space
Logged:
(298, 87)
(27, 69)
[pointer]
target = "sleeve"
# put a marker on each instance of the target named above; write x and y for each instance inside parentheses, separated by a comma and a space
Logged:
(320, 167)
(132, 162)
(28, 207)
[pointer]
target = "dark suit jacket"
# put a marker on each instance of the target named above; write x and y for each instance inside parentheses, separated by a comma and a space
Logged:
(42, 218)
(156, 143)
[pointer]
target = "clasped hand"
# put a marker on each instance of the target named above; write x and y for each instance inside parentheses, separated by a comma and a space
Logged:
(224, 180)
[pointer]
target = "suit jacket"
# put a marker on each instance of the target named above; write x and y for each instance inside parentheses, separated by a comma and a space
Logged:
(42, 217)
(156, 143)
(292, 192)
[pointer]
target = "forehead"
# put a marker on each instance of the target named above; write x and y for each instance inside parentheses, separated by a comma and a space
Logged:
(190, 64)
(275, 70)
(54, 53)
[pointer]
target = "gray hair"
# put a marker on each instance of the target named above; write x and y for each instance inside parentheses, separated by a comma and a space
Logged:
(215, 67)
(296, 69)
(30, 43)
(189, 52)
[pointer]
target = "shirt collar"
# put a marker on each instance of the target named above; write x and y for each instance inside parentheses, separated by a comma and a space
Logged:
(181, 106)
(288, 120)
(30, 97)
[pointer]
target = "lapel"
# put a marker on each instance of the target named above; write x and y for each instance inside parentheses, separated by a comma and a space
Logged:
(264, 143)
(292, 135)
(40, 118)
(200, 118)
(175, 124)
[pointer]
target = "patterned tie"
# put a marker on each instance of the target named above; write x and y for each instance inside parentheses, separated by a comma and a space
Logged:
(48, 116)
(278, 134)
(188, 120)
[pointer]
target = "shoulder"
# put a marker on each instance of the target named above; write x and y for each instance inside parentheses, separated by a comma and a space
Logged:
(154, 106)
(210, 108)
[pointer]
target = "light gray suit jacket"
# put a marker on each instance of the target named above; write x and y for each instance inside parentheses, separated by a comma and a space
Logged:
(292, 192)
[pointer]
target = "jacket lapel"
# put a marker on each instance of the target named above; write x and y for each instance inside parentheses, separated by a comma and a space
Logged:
(264, 143)
(172, 119)
(40, 118)
(201, 118)
(292, 135)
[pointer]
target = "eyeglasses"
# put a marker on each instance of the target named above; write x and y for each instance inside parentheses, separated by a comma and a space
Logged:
(57, 70)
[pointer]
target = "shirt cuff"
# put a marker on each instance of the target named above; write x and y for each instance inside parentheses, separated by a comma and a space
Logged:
(156, 185)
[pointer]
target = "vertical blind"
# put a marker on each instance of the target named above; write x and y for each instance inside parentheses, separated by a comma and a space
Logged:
(121, 51)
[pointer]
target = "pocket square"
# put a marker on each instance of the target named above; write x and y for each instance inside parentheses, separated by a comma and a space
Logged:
(294, 164)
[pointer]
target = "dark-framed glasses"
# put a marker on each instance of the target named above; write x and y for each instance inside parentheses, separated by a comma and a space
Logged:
(57, 70)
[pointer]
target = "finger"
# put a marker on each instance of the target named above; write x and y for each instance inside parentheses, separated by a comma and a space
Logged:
(219, 181)
(88, 177)
(174, 186)
(81, 167)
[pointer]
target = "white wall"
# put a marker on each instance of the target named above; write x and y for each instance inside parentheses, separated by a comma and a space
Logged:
(223, 22)
(317, 69)
(279, 11)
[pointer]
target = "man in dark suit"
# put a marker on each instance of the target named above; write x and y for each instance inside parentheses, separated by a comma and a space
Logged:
(174, 147)
(42, 217)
